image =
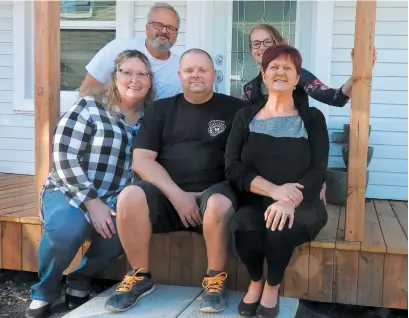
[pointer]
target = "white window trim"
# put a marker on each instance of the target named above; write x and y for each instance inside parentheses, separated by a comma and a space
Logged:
(88, 25)
(321, 47)
(23, 50)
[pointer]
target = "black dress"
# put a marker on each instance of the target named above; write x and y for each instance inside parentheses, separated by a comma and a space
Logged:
(281, 150)
(280, 159)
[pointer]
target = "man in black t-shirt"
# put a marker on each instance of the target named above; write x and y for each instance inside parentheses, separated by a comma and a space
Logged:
(179, 154)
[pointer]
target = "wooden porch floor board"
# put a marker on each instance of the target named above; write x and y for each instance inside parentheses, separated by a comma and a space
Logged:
(8, 183)
(17, 192)
(27, 206)
(328, 269)
(327, 237)
(4, 176)
(340, 242)
(401, 212)
(393, 233)
(15, 216)
(16, 201)
(373, 237)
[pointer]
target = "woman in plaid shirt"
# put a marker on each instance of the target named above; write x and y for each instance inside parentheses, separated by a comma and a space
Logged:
(91, 165)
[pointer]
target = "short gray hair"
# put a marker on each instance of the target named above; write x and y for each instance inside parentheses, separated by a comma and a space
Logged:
(162, 5)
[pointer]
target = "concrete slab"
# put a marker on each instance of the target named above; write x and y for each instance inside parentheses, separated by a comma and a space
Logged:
(164, 302)
(288, 308)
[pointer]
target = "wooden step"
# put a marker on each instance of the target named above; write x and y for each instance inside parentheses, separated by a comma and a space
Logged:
(169, 301)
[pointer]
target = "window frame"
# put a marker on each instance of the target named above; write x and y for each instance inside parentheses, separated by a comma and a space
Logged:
(23, 48)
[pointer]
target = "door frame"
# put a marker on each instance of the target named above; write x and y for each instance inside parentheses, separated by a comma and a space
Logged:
(314, 25)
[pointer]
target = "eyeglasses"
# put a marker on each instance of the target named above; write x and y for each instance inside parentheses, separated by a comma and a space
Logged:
(266, 43)
(128, 75)
(159, 26)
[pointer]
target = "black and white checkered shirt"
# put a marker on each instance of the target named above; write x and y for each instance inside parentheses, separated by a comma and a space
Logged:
(92, 153)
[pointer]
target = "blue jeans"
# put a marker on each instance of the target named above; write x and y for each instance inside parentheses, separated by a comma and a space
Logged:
(65, 229)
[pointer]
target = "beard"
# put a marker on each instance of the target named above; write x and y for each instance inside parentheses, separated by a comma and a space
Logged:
(160, 45)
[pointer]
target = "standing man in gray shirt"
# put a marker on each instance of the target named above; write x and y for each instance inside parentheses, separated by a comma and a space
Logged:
(162, 27)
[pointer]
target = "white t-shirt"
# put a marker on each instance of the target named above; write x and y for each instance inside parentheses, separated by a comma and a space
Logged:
(166, 80)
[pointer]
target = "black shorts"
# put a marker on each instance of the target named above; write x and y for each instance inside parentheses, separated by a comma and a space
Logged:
(163, 215)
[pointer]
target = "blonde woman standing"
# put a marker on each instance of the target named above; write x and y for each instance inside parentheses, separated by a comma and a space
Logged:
(92, 150)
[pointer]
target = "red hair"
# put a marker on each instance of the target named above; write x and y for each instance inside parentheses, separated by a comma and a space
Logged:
(275, 51)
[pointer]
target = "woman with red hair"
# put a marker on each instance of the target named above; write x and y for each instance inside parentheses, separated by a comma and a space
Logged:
(276, 156)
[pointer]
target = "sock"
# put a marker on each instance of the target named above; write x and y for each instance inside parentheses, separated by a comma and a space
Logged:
(35, 304)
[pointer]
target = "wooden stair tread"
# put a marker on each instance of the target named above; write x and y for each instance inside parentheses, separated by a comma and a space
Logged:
(393, 234)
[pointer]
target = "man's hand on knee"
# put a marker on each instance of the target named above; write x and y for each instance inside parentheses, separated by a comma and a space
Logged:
(186, 206)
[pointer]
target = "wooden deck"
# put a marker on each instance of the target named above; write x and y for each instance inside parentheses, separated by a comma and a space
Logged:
(329, 269)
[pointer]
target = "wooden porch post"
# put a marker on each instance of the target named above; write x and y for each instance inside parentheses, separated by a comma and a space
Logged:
(359, 119)
(47, 85)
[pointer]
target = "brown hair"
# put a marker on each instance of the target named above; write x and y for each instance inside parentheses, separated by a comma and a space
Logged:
(272, 31)
(282, 50)
(113, 97)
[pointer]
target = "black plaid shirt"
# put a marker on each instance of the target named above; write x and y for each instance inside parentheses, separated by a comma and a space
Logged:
(92, 154)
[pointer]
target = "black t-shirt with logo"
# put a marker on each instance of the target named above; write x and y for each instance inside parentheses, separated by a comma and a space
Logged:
(190, 139)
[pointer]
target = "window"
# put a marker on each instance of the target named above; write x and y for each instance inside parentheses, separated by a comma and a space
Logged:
(246, 15)
(86, 26)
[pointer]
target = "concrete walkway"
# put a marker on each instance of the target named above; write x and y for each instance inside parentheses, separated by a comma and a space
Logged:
(172, 302)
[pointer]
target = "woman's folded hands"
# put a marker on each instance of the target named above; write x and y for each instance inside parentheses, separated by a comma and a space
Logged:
(288, 192)
(277, 215)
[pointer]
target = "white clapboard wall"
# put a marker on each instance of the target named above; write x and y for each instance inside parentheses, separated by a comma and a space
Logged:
(388, 178)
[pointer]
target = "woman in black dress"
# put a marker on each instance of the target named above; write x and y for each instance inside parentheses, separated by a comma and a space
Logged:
(276, 156)
(263, 36)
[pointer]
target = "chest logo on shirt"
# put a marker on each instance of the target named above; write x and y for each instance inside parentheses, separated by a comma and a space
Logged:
(216, 127)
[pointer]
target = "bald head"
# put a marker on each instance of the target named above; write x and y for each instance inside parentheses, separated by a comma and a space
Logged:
(196, 52)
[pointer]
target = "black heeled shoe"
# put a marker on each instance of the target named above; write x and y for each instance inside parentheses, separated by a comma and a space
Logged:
(248, 310)
(41, 312)
(73, 302)
(264, 312)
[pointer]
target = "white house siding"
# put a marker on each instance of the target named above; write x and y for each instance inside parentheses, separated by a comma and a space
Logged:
(388, 169)
(16, 131)
(141, 11)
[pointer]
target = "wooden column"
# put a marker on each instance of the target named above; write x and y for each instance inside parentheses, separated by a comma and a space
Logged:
(47, 85)
(359, 120)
